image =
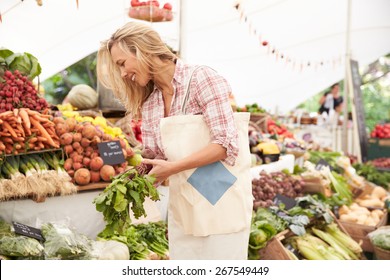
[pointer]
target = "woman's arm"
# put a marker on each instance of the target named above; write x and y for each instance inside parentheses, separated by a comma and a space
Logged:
(163, 169)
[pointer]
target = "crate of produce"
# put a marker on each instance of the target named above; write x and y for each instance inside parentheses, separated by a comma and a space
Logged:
(380, 239)
(278, 247)
(274, 250)
(378, 148)
(364, 217)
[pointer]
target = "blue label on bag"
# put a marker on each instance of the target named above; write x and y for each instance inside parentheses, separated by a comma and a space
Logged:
(212, 181)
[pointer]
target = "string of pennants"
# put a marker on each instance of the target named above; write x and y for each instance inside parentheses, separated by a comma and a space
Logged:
(39, 3)
(296, 64)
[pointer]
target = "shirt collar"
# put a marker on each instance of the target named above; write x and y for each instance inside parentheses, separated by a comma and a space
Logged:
(179, 69)
(177, 76)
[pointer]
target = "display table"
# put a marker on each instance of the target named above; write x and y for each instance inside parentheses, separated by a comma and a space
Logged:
(77, 211)
(284, 162)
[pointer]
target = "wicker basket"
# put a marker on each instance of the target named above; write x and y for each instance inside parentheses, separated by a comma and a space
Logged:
(381, 254)
(260, 119)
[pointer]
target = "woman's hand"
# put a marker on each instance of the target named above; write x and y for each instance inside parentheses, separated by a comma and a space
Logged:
(161, 170)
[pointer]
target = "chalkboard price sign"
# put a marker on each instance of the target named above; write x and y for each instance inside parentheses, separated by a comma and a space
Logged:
(27, 231)
(322, 163)
(287, 201)
(358, 102)
(111, 152)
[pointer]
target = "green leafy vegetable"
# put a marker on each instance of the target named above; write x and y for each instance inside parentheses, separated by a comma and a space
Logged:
(128, 189)
(26, 63)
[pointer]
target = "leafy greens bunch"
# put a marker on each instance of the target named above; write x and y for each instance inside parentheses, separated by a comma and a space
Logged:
(127, 190)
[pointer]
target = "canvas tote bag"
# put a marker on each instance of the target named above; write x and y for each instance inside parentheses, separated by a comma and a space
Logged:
(213, 199)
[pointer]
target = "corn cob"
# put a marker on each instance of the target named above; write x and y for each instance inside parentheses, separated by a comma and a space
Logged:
(343, 238)
(334, 243)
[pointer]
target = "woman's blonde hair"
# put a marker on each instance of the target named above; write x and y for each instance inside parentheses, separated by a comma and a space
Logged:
(151, 53)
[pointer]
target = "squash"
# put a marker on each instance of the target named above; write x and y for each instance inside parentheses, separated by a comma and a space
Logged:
(82, 97)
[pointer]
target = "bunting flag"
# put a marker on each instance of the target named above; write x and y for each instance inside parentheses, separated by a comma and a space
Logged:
(295, 63)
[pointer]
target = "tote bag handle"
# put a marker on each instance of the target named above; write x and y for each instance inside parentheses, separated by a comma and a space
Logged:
(186, 97)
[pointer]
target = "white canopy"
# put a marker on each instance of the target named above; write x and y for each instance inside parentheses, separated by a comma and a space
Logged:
(305, 50)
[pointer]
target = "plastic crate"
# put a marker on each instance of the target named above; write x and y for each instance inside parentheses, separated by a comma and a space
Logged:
(378, 148)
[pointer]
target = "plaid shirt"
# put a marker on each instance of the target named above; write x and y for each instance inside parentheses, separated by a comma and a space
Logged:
(209, 96)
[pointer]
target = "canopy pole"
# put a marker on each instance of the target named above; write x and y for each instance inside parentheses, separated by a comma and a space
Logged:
(182, 51)
(347, 88)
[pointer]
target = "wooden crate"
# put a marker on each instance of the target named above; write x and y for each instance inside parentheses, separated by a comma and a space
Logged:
(359, 232)
(274, 250)
(381, 254)
(314, 185)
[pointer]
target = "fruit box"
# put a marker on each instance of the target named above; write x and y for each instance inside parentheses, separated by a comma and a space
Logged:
(315, 185)
(378, 148)
(275, 250)
(360, 232)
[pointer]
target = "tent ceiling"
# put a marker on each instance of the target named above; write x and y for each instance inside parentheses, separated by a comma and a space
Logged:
(59, 34)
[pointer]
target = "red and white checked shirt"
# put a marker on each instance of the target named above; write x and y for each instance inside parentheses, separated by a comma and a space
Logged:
(209, 96)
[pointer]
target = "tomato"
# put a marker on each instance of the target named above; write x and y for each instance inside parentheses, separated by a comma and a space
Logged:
(168, 6)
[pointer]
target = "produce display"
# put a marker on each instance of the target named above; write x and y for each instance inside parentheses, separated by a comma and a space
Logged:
(277, 129)
(381, 238)
(150, 11)
(35, 175)
(269, 185)
(323, 241)
(80, 143)
(381, 131)
(360, 214)
(24, 130)
(369, 171)
(381, 162)
(251, 108)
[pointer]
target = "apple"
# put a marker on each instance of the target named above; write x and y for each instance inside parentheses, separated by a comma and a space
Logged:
(168, 6)
(135, 3)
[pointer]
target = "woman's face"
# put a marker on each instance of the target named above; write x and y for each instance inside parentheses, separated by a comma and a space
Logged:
(129, 67)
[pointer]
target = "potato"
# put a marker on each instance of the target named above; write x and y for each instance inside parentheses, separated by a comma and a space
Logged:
(378, 212)
(378, 192)
(370, 222)
(348, 218)
(374, 216)
(344, 210)
(374, 202)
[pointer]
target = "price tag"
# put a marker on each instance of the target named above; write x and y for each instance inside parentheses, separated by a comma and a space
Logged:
(111, 152)
(322, 163)
(287, 201)
(27, 231)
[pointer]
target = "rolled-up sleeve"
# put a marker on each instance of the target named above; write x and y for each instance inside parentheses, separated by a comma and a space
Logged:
(212, 95)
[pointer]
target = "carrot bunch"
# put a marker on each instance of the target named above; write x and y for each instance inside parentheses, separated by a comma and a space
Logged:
(23, 130)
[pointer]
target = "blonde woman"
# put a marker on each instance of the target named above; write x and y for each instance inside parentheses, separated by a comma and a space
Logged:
(153, 84)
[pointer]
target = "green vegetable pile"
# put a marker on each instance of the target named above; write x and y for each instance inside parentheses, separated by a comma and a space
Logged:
(16, 246)
(62, 243)
(370, 172)
(25, 63)
(323, 241)
(126, 189)
(381, 237)
(265, 225)
(145, 241)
